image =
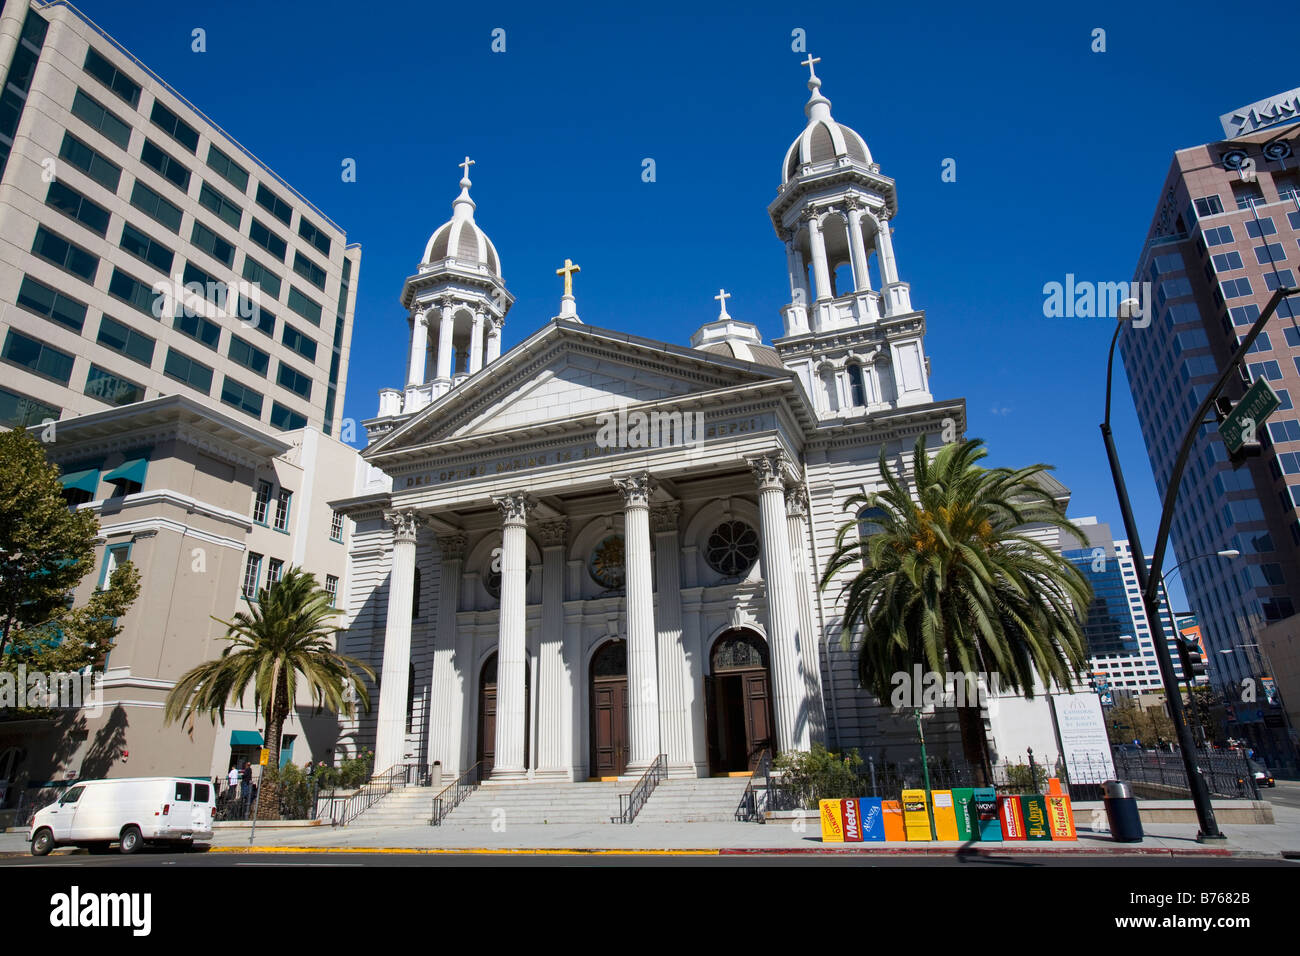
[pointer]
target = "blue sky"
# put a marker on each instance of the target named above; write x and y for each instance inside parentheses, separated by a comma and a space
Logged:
(1060, 153)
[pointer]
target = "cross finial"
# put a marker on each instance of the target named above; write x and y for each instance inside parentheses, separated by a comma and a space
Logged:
(568, 271)
(465, 166)
(722, 297)
(811, 62)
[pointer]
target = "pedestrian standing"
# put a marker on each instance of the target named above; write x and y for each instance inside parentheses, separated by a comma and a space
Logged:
(245, 781)
(232, 779)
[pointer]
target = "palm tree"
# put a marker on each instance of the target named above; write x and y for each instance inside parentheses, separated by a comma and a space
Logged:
(950, 579)
(283, 638)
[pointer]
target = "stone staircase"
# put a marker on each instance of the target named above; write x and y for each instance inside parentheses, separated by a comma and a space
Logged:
(533, 804)
(403, 807)
(694, 800)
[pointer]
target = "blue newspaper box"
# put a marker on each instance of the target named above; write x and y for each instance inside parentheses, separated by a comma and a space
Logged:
(873, 819)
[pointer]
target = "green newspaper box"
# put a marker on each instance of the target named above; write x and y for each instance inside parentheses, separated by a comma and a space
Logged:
(964, 798)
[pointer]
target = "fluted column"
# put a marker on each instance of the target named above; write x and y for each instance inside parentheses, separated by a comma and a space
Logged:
(885, 246)
(452, 668)
(509, 757)
(444, 342)
(494, 342)
(796, 524)
(394, 682)
(555, 684)
(419, 348)
(789, 699)
(642, 672)
(476, 344)
(858, 251)
(821, 269)
(675, 690)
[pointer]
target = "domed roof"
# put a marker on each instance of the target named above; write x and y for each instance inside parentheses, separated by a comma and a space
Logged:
(460, 238)
(823, 140)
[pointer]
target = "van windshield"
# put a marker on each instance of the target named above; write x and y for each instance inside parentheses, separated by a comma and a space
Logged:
(72, 796)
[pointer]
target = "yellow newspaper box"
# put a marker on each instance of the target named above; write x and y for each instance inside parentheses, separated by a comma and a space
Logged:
(832, 815)
(916, 815)
(945, 816)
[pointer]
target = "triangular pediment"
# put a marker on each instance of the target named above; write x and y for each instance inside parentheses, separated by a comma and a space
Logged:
(569, 371)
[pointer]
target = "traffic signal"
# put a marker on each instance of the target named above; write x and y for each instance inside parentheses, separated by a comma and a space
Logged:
(1189, 655)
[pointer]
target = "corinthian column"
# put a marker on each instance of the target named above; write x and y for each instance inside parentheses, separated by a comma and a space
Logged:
(390, 734)
(509, 757)
(675, 688)
(444, 342)
(789, 698)
(476, 343)
(555, 684)
(642, 676)
(821, 270)
(858, 250)
(451, 666)
(885, 246)
(796, 525)
(419, 348)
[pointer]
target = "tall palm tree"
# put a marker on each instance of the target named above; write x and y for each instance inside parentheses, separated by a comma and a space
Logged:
(283, 638)
(949, 578)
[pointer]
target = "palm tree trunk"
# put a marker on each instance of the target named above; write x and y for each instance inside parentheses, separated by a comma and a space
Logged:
(268, 796)
(974, 743)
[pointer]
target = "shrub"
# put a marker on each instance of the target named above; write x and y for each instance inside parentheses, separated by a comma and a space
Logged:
(820, 774)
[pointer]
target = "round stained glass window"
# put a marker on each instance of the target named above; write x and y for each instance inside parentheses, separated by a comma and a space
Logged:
(732, 548)
(606, 563)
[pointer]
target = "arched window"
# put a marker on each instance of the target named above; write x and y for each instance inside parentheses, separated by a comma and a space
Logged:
(871, 521)
(857, 386)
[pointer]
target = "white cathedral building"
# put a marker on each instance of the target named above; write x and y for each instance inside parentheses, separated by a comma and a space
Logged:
(597, 548)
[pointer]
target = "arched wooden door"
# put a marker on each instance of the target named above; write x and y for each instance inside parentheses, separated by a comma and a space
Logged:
(738, 693)
(609, 737)
(487, 715)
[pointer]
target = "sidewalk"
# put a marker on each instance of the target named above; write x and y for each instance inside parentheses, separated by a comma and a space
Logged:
(1257, 841)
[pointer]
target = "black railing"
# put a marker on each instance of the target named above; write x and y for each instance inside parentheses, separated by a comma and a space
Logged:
(450, 797)
(630, 804)
(343, 812)
(760, 782)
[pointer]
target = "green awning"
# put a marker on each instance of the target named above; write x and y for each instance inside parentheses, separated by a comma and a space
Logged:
(87, 481)
(245, 738)
(132, 470)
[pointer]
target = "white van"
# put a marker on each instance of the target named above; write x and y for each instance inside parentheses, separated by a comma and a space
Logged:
(128, 811)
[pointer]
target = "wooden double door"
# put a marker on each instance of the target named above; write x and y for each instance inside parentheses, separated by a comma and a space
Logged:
(609, 735)
(487, 716)
(738, 702)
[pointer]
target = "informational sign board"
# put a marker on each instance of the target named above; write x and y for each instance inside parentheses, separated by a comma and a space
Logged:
(945, 816)
(1246, 420)
(986, 815)
(873, 819)
(893, 813)
(832, 821)
(916, 815)
(1085, 744)
(1034, 806)
(1279, 108)
(967, 825)
(1060, 817)
(1012, 817)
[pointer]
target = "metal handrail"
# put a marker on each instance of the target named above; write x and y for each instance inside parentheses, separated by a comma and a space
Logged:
(461, 788)
(379, 786)
(747, 812)
(630, 804)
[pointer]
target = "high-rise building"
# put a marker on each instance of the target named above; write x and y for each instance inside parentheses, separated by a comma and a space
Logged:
(1121, 649)
(1223, 238)
(116, 189)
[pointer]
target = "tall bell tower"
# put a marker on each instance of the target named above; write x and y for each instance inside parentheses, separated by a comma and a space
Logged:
(850, 330)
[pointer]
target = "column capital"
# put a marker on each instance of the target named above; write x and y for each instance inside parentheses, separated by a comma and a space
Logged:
(769, 470)
(554, 532)
(515, 506)
(636, 488)
(663, 517)
(404, 524)
(796, 500)
(453, 546)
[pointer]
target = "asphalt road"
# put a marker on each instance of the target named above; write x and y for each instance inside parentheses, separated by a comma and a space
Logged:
(1285, 794)
(354, 860)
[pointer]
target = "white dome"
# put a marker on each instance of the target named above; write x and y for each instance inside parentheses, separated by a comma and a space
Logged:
(823, 140)
(460, 238)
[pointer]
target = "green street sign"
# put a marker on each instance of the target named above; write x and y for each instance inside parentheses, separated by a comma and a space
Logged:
(1243, 423)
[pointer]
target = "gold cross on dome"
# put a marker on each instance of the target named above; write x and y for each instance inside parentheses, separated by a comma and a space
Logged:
(466, 165)
(568, 271)
(810, 63)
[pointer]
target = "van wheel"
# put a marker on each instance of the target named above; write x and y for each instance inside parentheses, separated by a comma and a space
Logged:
(42, 843)
(130, 840)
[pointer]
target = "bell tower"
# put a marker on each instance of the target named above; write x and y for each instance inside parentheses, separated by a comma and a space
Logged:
(850, 330)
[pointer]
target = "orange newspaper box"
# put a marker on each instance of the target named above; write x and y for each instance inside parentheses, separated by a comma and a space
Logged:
(832, 815)
(1060, 818)
(1012, 818)
(894, 829)
(945, 816)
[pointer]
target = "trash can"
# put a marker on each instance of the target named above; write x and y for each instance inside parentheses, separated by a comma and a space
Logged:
(435, 776)
(1122, 812)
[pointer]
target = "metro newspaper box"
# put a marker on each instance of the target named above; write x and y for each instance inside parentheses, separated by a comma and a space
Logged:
(832, 816)
(1060, 817)
(1035, 807)
(945, 816)
(1013, 818)
(872, 812)
(850, 813)
(916, 816)
(989, 827)
(893, 814)
(967, 825)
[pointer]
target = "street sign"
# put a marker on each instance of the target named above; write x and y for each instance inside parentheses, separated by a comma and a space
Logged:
(1247, 417)
(265, 756)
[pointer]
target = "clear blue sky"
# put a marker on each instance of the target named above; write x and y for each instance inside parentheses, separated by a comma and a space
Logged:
(1060, 153)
